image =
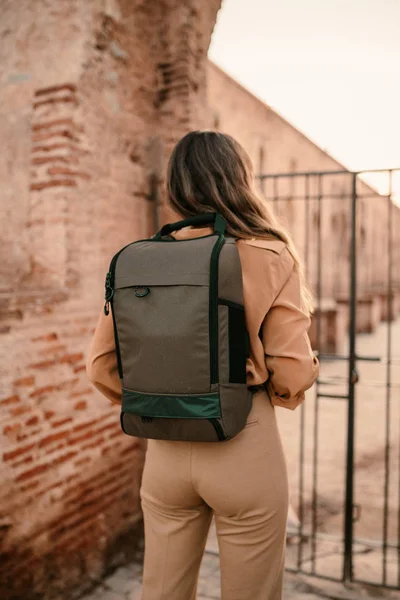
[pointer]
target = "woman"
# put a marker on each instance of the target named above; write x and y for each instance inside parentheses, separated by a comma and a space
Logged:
(243, 481)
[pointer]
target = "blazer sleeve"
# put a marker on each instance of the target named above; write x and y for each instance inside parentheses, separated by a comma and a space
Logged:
(291, 364)
(101, 362)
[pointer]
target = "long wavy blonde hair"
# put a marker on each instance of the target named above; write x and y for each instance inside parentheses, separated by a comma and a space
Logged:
(209, 171)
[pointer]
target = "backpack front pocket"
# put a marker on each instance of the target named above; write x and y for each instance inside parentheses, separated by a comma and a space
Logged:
(163, 336)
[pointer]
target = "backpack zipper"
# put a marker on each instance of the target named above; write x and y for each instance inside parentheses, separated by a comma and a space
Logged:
(109, 294)
(117, 348)
(110, 277)
(213, 308)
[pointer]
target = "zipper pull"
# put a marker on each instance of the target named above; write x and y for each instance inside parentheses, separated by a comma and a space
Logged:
(109, 293)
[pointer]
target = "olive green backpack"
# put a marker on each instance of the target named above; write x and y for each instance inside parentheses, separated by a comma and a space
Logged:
(180, 334)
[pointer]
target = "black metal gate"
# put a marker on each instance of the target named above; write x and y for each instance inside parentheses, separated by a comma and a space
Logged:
(344, 456)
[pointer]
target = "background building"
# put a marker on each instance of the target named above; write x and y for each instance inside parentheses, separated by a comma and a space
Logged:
(276, 146)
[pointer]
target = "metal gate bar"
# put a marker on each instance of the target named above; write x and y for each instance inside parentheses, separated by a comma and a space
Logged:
(352, 378)
(314, 193)
(388, 390)
(316, 405)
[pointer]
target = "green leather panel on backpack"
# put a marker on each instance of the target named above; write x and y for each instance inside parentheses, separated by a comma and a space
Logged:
(202, 406)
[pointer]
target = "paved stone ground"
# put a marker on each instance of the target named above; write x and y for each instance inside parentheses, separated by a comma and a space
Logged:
(125, 584)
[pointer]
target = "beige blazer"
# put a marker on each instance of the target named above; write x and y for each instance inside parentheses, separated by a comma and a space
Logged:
(280, 351)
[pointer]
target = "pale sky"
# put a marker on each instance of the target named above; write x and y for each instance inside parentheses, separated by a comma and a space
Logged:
(331, 67)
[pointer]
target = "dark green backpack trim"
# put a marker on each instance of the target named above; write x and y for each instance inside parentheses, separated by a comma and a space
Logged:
(213, 308)
(237, 345)
(219, 430)
(238, 340)
(201, 406)
(230, 303)
(116, 341)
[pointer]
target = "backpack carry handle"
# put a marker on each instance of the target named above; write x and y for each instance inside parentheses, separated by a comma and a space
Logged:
(205, 219)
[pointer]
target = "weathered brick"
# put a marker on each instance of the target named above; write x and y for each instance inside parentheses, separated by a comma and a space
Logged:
(51, 449)
(85, 391)
(71, 87)
(20, 410)
(53, 349)
(117, 433)
(10, 400)
(87, 435)
(96, 444)
(70, 146)
(61, 422)
(55, 100)
(23, 461)
(83, 426)
(81, 405)
(17, 452)
(54, 122)
(113, 426)
(68, 383)
(44, 364)
(43, 160)
(71, 358)
(64, 458)
(42, 185)
(65, 171)
(47, 337)
(83, 461)
(42, 390)
(12, 430)
(29, 486)
(49, 439)
(37, 470)
(25, 381)
(60, 133)
(131, 448)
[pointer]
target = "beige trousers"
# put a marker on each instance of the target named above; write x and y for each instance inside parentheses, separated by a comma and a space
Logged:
(243, 483)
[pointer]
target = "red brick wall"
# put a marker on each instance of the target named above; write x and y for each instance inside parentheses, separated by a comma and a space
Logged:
(95, 94)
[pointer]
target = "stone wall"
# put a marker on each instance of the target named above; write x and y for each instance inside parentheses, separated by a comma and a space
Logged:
(93, 96)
